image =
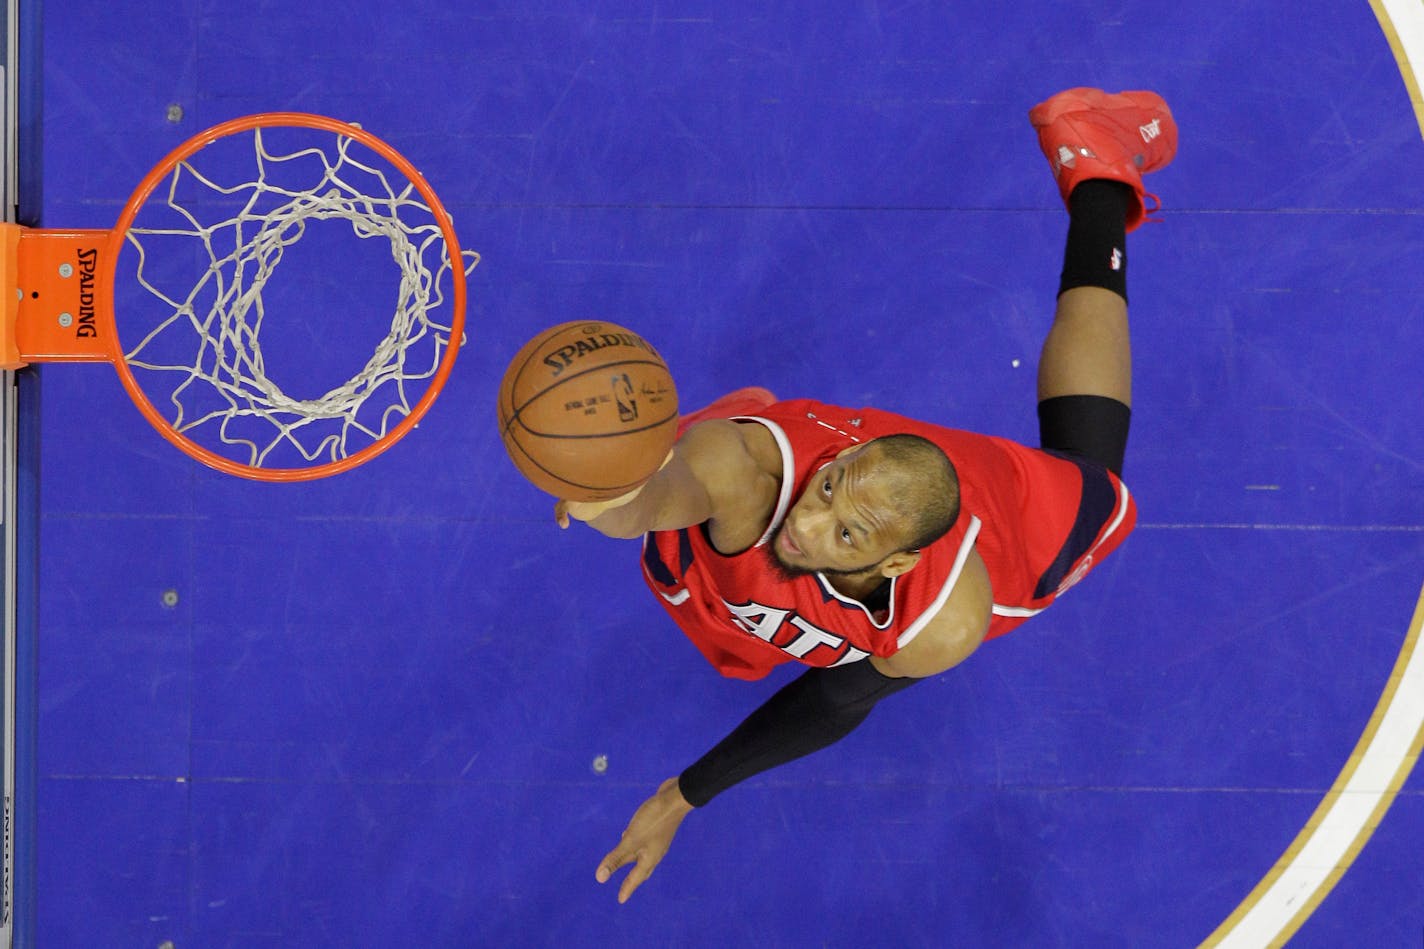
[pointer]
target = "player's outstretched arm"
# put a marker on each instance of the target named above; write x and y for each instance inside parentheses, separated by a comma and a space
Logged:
(813, 711)
(711, 474)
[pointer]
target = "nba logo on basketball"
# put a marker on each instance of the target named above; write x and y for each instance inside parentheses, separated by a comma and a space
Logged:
(622, 393)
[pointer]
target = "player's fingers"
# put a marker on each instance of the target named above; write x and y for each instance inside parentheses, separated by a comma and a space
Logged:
(561, 514)
(616, 858)
(635, 879)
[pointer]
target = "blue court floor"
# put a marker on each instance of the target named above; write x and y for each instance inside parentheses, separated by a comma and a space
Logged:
(372, 715)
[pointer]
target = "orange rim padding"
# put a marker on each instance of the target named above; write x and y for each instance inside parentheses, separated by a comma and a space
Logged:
(57, 294)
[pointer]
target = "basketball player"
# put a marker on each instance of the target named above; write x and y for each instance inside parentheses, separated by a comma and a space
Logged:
(880, 550)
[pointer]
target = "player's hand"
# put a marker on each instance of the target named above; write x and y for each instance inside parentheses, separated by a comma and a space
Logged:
(588, 510)
(647, 838)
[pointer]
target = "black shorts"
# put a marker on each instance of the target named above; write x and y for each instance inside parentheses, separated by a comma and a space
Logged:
(1092, 427)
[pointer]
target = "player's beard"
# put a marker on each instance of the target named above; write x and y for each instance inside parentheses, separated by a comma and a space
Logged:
(784, 572)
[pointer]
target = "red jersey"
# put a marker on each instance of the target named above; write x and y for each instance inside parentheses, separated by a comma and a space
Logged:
(1040, 521)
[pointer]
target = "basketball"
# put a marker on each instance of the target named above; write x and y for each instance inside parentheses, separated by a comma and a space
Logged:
(587, 410)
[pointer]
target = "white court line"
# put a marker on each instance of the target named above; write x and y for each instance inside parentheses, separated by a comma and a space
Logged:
(1347, 816)
(1389, 747)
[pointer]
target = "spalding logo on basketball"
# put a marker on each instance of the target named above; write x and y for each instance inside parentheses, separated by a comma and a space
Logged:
(587, 410)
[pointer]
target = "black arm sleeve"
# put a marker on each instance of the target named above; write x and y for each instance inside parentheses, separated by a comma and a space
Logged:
(815, 710)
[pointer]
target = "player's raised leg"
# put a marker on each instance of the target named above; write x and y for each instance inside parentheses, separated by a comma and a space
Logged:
(1099, 146)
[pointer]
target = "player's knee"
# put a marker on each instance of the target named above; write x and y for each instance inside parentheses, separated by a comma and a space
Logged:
(1090, 426)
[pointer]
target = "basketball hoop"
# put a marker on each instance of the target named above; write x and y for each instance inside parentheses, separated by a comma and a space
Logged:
(275, 379)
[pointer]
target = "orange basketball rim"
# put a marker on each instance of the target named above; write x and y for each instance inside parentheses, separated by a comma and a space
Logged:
(57, 297)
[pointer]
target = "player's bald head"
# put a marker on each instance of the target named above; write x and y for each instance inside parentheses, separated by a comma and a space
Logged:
(921, 483)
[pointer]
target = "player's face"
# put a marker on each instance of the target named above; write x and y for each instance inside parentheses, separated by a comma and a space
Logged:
(842, 523)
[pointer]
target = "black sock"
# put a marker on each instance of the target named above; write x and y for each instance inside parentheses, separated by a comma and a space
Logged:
(1096, 251)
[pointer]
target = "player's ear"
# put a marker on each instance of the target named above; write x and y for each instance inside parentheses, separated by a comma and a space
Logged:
(900, 562)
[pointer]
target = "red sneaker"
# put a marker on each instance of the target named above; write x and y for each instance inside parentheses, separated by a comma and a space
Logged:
(1088, 133)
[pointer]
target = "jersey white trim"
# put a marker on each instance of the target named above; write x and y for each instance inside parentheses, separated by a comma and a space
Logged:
(788, 474)
(1117, 521)
(1019, 611)
(965, 547)
(852, 601)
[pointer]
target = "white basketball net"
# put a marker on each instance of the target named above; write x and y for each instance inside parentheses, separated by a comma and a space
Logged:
(207, 337)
